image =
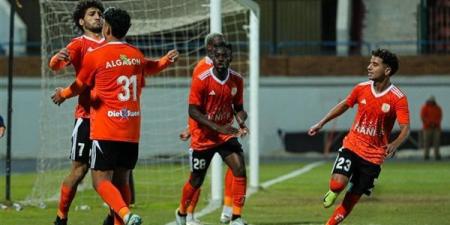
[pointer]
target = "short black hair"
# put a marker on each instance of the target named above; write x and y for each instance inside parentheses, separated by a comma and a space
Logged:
(210, 38)
(119, 20)
(388, 58)
(80, 10)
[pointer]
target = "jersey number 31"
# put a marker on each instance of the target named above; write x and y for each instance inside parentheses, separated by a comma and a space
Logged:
(127, 84)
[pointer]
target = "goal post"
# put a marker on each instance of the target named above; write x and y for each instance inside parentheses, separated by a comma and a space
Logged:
(254, 71)
(253, 90)
(215, 17)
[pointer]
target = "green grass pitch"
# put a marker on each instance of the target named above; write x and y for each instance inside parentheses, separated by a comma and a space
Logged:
(407, 193)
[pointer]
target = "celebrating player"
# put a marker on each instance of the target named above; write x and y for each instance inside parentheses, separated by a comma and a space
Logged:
(202, 66)
(115, 73)
(216, 97)
(367, 144)
(87, 17)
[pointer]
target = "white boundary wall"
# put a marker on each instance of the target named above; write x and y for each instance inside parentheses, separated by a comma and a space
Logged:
(291, 104)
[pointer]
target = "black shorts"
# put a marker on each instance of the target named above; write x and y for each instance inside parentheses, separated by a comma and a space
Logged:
(110, 155)
(200, 160)
(81, 144)
(362, 173)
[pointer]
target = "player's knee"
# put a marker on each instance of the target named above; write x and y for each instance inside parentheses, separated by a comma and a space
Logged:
(337, 185)
(196, 181)
(78, 173)
(239, 171)
(95, 185)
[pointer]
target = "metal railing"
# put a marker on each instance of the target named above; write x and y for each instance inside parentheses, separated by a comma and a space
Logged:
(290, 48)
(418, 47)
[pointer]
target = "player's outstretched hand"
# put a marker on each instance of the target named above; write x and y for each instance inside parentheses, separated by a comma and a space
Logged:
(56, 97)
(63, 55)
(243, 131)
(228, 129)
(185, 135)
(314, 129)
(390, 150)
(173, 55)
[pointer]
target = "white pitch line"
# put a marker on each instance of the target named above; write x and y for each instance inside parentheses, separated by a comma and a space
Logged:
(214, 205)
(292, 174)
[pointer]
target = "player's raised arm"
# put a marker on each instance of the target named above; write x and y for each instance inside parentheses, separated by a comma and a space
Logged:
(336, 111)
(59, 60)
(61, 94)
(156, 66)
(65, 56)
(85, 78)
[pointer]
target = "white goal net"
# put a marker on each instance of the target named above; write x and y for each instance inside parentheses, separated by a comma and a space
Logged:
(157, 26)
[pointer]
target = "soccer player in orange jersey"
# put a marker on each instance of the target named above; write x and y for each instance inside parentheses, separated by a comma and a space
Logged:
(115, 74)
(216, 97)
(87, 17)
(227, 210)
(367, 144)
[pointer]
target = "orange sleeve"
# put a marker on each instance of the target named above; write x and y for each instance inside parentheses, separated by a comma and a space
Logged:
(196, 69)
(402, 111)
(200, 67)
(196, 94)
(73, 90)
(72, 48)
(153, 67)
(352, 98)
(55, 64)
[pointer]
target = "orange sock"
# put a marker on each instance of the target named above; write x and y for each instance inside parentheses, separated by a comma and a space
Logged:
(186, 198)
(344, 208)
(239, 191)
(194, 201)
(67, 195)
(336, 186)
(111, 195)
(228, 189)
(118, 220)
(125, 191)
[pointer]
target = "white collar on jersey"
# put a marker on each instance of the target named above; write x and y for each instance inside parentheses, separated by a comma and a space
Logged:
(374, 92)
(94, 40)
(222, 82)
